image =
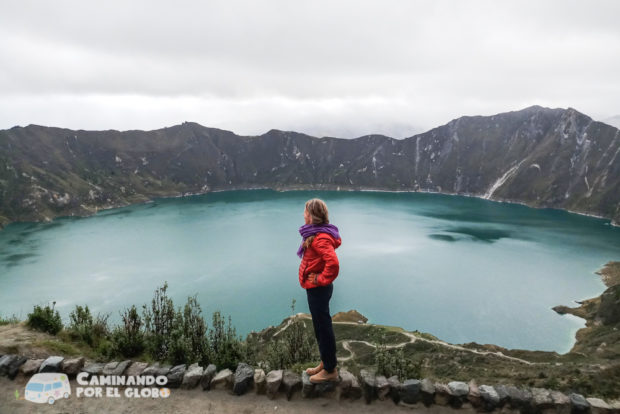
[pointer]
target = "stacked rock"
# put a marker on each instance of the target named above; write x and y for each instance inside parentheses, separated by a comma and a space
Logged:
(372, 386)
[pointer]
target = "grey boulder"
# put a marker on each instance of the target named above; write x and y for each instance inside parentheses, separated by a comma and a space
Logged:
(578, 403)
(207, 376)
(31, 367)
(349, 385)
(175, 376)
(52, 364)
(192, 376)
(72, 366)
(458, 391)
(489, 396)
(136, 369)
(274, 380)
(260, 381)
(368, 385)
(291, 382)
(410, 391)
(116, 368)
(244, 378)
(427, 392)
(9, 365)
(94, 368)
(395, 385)
(223, 379)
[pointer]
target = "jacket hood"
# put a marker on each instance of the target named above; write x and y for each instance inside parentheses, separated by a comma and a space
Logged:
(335, 242)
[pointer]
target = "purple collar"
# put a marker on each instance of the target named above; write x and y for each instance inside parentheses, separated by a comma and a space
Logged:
(308, 230)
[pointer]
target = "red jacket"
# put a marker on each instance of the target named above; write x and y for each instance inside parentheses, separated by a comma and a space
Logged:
(320, 257)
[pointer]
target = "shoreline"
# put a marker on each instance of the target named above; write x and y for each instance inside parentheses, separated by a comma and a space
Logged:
(610, 276)
(609, 221)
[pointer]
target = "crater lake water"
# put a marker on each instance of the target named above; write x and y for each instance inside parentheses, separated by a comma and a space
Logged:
(461, 268)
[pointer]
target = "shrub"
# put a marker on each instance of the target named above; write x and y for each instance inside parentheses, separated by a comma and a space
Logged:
(45, 319)
(277, 356)
(393, 361)
(158, 323)
(178, 344)
(100, 328)
(225, 348)
(128, 339)
(295, 346)
(300, 346)
(82, 326)
(189, 341)
(250, 349)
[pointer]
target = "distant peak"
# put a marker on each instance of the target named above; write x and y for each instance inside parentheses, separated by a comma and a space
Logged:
(191, 123)
(534, 107)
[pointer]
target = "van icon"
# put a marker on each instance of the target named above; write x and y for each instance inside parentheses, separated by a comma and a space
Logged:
(47, 387)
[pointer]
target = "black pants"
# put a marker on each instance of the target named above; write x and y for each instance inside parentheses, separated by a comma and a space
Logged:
(318, 302)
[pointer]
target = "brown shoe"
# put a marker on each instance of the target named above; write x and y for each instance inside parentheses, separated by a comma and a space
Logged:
(315, 370)
(323, 376)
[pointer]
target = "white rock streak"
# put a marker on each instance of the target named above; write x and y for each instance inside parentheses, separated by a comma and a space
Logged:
(501, 180)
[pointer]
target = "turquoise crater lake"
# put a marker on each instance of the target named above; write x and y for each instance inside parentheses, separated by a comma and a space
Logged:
(461, 268)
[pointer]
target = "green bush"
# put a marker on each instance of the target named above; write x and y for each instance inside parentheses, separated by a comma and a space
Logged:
(277, 356)
(188, 339)
(128, 338)
(225, 348)
(81, 324)
(158, 323)
(393, 361)
(250, 349)
(295, 346)
(45, 319)
(83, 327)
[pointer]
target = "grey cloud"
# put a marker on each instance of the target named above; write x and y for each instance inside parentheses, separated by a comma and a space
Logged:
(341, 68)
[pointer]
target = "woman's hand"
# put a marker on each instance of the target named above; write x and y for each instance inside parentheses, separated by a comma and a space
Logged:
(313, 278)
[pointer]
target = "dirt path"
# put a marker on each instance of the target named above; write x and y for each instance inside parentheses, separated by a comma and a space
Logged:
(198, 401)
(412, 338)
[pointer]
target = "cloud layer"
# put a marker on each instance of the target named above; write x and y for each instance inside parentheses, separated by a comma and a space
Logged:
(345, 68)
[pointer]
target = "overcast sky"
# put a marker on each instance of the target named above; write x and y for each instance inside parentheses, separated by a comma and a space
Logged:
(326, 68)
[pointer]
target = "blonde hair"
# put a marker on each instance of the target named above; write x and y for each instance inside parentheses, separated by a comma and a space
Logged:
(318, 215)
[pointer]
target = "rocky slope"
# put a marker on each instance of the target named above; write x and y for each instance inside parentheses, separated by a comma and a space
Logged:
(542, 157)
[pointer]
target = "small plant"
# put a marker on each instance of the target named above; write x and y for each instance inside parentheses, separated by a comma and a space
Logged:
(81, 324)
(295, 346)
(188, 342)
(194, 330)
(128, 339)
(277, 356)
(225, 348)
(300, 346)
(83, 327)
(393, 361)
(9, 321)
(250, 349)
(45, 319)
(158, 323)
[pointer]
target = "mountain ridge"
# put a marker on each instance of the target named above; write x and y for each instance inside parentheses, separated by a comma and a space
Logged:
(541, 157)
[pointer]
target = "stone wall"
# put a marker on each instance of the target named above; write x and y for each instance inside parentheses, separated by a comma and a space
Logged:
(365, 388)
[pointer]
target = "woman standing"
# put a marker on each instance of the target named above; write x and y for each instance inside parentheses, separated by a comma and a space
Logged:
(318, 269)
